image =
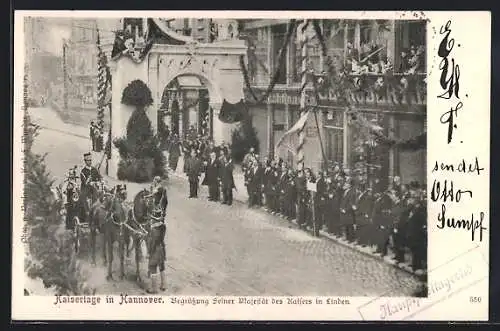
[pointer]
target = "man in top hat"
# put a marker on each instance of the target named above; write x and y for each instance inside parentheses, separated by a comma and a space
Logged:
(337, 192)
(401, 211)
(227, 180)
(247, 173)
(282, 182)
(302, 195)
(212, 173)
(255, 182)
(320, 199)
(417, 228)
(366, 202)
(193, 170)
(381, 218)
(291, 195)
(348, 208)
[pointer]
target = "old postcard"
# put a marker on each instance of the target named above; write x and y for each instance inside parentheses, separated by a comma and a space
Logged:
(244, 165)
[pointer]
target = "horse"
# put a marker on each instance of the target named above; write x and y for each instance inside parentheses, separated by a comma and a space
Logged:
(139, 226)
(115, 231)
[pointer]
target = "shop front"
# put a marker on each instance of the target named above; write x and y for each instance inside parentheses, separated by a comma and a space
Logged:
(332, 137)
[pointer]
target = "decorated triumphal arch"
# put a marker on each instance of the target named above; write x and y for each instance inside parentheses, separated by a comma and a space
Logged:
(167, 56)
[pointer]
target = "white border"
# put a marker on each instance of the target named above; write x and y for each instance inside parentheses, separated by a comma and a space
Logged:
(466, 275)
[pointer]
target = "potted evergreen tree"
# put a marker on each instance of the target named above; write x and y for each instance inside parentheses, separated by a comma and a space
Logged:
(140, 153)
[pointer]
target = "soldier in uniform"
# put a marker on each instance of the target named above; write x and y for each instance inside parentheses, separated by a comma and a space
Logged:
(157, 249)
(247, 159)
(227, 180)
(89, 178)
(71, 198)
(193, 170)
(348, 208)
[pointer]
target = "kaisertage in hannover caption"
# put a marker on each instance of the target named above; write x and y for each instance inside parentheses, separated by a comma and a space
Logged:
(244, 165)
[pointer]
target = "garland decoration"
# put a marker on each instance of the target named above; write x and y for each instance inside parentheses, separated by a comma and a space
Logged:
(281, 57)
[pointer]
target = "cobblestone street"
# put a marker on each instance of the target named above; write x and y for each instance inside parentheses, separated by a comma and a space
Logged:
(216, 249)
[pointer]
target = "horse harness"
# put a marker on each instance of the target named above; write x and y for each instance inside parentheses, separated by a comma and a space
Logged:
(155, 221)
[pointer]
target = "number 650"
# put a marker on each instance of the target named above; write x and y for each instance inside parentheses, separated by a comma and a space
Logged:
(475, 299)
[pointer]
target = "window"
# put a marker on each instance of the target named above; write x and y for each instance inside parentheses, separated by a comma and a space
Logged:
(132, 24)
(334, 135)
(314, 55)
(410, 50)
(334, 144)
(279, 34)
(258, 68)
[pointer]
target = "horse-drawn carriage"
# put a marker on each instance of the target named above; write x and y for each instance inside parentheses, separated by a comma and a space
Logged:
(99, 209)
(78, 204)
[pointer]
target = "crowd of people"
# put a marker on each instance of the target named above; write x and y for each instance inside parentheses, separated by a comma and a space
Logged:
(201, 155)
(345, 204)
(371, 59)
(381, 217)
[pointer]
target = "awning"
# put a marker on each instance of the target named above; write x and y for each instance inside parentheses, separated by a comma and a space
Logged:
(232, 112)
(189, 81)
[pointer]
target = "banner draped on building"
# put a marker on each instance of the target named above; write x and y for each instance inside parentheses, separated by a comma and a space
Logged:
(232, 113)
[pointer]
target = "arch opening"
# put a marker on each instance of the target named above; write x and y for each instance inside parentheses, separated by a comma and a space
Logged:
(188, 103)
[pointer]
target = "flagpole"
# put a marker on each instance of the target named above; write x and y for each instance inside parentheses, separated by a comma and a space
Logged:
(303, 95)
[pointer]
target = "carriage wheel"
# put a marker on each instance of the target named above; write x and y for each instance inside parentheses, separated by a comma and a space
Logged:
(76, 232)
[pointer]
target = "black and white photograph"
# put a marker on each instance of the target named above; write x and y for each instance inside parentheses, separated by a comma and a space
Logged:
(246, 157)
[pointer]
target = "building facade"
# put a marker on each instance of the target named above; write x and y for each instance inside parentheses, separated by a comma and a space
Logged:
(81, 58)
(379, 55)
(45, 68)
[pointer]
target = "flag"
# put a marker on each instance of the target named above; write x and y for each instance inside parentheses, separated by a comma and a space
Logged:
(232, 113)
(290, 139)
(136, 50)
(119, 44)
